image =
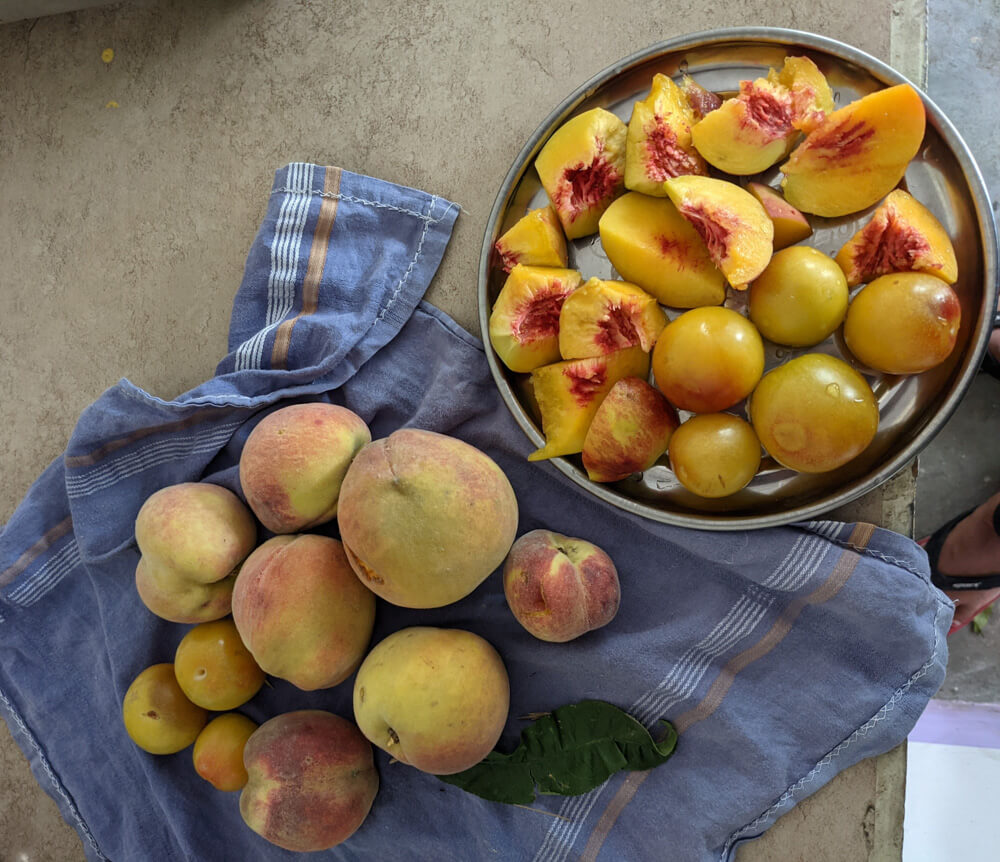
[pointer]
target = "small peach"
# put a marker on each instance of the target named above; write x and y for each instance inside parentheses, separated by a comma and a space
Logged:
(558, 587)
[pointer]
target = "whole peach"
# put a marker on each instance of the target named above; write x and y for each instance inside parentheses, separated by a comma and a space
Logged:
(425, 518)
(312, 780)
(302, 612)
(192, 536)
(436, 699)
(294, 461)
(558, 588)
(218, 751)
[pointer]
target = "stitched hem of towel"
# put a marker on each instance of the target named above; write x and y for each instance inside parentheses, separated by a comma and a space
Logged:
(80, 824)
(791, 794)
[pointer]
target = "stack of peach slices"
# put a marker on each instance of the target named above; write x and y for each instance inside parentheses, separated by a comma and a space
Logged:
(680, 235)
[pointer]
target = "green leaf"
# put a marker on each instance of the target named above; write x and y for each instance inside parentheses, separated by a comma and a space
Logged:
(979, 620)
(567, 752)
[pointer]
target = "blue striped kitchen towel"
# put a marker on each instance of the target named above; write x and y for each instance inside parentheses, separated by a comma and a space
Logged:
(782, 656)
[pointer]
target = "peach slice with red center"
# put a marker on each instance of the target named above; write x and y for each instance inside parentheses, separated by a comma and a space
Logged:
(603, 316)
(902, 236)
(749, 132)
(812, 98)
(702, 101)
(790, 226)
(536, 239)
(658, 145)
(569, 393)
(524, 324)
(582, 167)
(731, 222)
(652, 245)
(857, 154)
(630, 431)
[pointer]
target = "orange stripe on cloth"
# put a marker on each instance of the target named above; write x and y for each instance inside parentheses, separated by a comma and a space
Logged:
(314, 269)
(52, 535)
(842, 570)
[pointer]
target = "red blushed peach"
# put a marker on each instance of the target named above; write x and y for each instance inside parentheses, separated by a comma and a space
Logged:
(311, 780)
(558, 587)
(294, 461)
(301, 611)
(630, 431)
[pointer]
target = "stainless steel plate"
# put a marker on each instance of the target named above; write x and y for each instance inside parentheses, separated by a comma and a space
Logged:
(943, 176)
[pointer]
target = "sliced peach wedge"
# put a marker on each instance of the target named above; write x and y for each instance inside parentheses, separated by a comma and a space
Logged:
(535, 239)
(524, 323)
(569, 393)
(652, 245)
(902, 236)
(603, 316)
(658, 145)
(790, 226)
(582, 167)
(857, 154)
(702, 101)
(731, 222)
(812, 98)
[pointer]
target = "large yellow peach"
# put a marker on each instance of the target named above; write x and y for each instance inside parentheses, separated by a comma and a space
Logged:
(436, 699)
(192, 537)
(311, 783)
(425, 518)
(293, 463)
(158, 717)
(214, 668)
(301, 612)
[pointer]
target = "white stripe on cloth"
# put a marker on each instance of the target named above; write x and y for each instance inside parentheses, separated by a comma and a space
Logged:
(147, 456)
(285, 248)
(799, 564)
(60, 564)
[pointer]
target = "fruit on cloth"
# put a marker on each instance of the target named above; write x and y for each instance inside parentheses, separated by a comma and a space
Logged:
(749, 132)
(158, 717)
(524, 323)
(311, 783)
(901, 236)
(814, 413)
(294, 461)
(192, 537)
(218, 751)
(425, 518)
(730, 221)
(903, 323)
(658, 144)
(708, 359)
(569, 393)
(857, 154)
(582, 167)
(790, 226)
(652, 245)
(702, 101)
(629, 432)
(714, 454)
(535, 239)
(434, 698)
(604, 316)
(559, 587)
(214, 668)
(301, 611)
(800, 298)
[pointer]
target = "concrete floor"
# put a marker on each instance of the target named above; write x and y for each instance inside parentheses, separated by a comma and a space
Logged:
(961, 467)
